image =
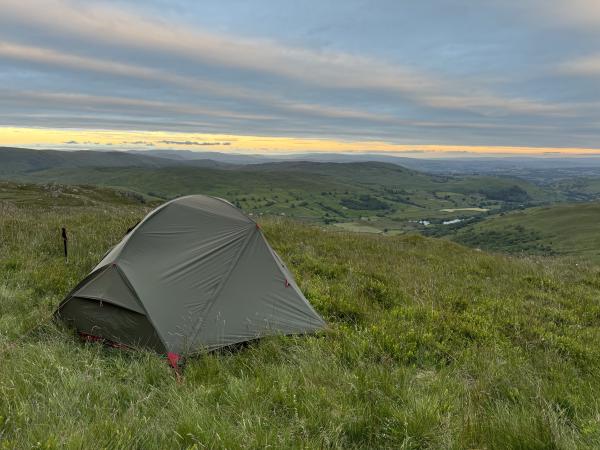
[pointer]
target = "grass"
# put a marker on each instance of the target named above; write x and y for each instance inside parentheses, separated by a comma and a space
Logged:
(357, 227)
(431, 345)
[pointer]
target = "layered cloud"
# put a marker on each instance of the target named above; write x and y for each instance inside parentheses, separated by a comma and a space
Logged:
(584, 66)
(133, 66)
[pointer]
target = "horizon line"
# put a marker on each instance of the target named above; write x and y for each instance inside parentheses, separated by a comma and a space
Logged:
(126, 140)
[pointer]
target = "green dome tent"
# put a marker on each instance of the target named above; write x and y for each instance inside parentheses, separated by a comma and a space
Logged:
(195, 274)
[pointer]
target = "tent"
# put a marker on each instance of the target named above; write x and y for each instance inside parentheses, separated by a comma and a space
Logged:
(196, 274)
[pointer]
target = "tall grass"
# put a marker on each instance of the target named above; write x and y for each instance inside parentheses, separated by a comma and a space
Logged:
(431, 345)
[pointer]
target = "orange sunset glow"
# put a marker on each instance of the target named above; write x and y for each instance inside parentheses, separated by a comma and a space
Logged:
(61, 138)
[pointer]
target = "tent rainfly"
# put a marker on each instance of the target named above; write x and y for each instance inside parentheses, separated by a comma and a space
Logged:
(195, 274)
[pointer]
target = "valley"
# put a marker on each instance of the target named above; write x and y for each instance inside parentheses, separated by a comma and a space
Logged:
(545, 211)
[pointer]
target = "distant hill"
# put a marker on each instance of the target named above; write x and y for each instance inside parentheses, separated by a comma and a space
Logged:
(368, 172)
(536, 169)
(458, 165)
(18, 160)
(15, 161)
(220, 157)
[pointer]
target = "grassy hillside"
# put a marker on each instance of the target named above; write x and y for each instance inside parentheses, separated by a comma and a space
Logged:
(431, 345)
(564, 229)
(580, 188)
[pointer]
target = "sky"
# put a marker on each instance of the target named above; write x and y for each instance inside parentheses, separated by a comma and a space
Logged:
(438, 77)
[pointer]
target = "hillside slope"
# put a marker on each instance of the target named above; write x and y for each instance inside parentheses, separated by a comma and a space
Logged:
(563, 229)
(431, 345)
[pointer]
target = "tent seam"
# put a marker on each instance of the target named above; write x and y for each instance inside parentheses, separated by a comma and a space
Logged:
(294, 286)
(149, 216)
(213, 300)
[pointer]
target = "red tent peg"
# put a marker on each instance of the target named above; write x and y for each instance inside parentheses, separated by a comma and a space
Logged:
(173, 359)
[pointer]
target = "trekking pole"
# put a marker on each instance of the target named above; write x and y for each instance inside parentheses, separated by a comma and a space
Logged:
(65, 239)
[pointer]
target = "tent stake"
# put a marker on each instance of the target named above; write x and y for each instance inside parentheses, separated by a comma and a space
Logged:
(65, 239)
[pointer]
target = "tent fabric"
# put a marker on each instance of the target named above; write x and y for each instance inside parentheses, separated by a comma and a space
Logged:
(196, 274)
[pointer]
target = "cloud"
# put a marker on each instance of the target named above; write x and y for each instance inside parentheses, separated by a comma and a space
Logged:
(70, 99)
(71, 142)
(80, 63)
(573, 13)
(112, 65)
(146, 143)
(110, 25)
(192, 143)
(585, 66)
(62, 59)
(116, 27)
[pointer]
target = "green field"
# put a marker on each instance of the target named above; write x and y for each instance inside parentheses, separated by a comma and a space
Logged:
(431, 345)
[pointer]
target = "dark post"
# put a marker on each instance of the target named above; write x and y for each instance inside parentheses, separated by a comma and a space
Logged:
(65, 239)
